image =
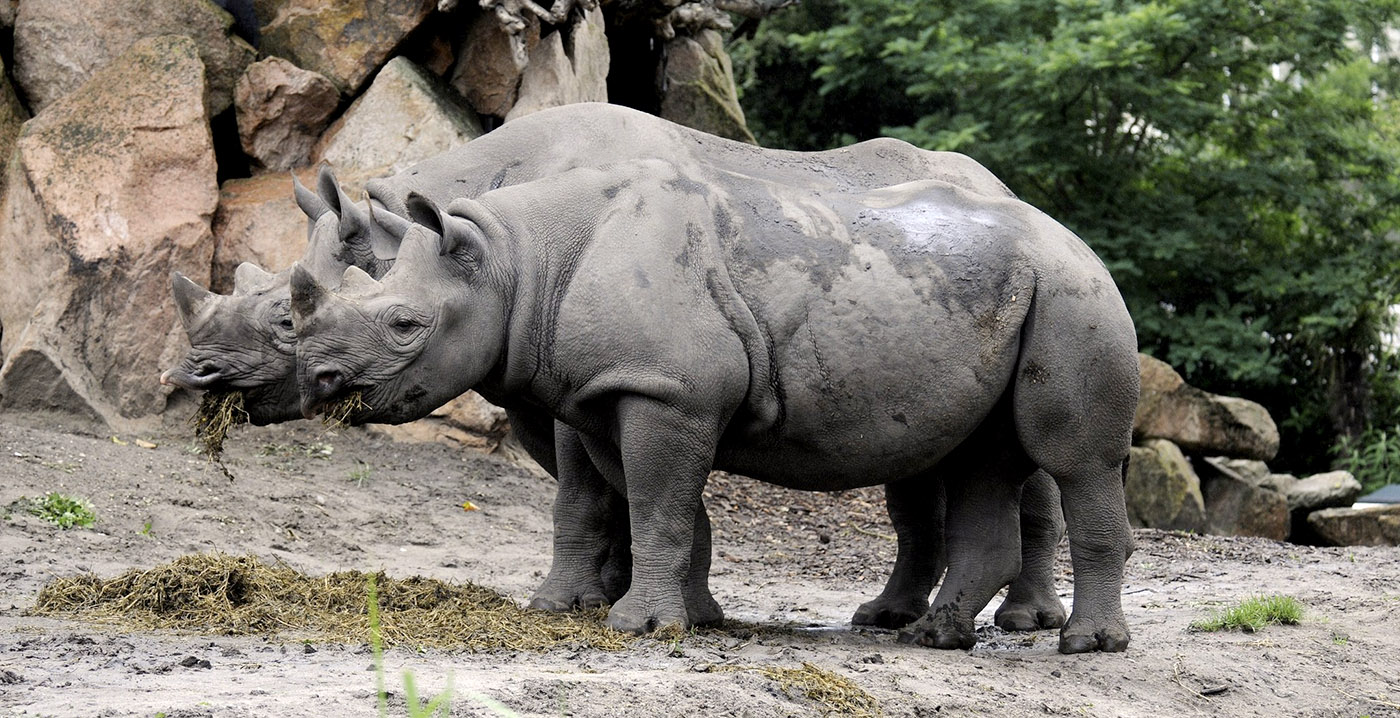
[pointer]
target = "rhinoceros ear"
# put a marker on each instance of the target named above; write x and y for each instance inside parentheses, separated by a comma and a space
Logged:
(423, 211)
(357, 281)
(307, 294)
(354, 222)
(249, 278)
(307, 200)
(458, 237)
(395, 225)
(190, 298)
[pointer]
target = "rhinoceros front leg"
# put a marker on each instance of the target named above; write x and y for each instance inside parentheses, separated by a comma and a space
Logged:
(666, 455)
(1031, 602)
(916, 508)
(587, 549)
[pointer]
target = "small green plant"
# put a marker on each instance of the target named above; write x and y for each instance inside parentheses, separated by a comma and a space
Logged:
(1254, 613)
(1373, 458)
(361, 473)
(62, 511)
(415, 707)
(146, 528)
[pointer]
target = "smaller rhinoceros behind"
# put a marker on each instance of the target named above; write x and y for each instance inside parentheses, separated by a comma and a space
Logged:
(680, 316)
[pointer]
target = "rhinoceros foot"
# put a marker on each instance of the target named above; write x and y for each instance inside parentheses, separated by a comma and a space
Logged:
(1083, 635)
(946, 628)
(636, 614)
(1031, 615)
(559, 599)
(703, 610)
(890, 612)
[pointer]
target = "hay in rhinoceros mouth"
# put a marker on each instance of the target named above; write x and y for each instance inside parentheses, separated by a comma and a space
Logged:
(337, 414)
(237, 595)
(218, 412)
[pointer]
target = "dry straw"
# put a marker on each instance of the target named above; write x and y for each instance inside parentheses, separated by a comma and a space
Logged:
(836, 695)
(338, 413)
(243, 595)
(218, 412)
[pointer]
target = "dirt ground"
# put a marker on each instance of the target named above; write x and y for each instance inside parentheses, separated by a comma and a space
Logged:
(794, 562)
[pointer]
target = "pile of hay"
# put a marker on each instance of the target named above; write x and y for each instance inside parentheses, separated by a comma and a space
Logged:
(218, 412)
(242, 595)
(836, 695)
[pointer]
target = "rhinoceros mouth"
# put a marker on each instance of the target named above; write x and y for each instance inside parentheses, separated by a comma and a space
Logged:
(202, 379)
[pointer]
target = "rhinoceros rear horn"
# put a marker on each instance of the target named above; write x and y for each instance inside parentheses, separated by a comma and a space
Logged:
(190, 298)
(249, 278)
(357, 281)
(307, 293)
(307, 200)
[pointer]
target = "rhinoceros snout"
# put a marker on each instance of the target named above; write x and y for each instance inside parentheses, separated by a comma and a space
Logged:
(325, 383)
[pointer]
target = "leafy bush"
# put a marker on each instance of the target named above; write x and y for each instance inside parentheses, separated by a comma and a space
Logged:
(1373, 458)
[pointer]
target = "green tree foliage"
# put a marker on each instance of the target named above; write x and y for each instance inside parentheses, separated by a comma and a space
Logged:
(1236, 164)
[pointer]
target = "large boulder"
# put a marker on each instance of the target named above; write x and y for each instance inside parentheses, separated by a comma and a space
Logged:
(12, 117)
(1163, 492)
(258, 221)
(109, 189)
(488, 69)
(403, 118)
(59, 44)
(1239, 508)
(1372, 526)
(699, 87)
(1333, 489)
(345, 40)
(282, 110)
(1200, 422)
(566, 68)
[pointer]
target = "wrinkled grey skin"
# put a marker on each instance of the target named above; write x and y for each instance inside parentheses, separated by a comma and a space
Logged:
(546, 143)
(681, 316)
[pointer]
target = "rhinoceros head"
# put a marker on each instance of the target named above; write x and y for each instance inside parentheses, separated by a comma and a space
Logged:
(432, 328)
(242, 341)
(245, 341)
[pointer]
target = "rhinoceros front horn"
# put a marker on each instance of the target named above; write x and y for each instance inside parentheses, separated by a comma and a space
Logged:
(190, 298)
(307, 294)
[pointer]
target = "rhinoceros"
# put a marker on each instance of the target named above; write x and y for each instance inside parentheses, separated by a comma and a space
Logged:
(681, 316)
(244, 341)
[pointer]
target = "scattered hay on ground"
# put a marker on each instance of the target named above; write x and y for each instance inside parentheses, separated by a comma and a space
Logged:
(834, 694)
(218, 412)
(337, 413)
(242, 595)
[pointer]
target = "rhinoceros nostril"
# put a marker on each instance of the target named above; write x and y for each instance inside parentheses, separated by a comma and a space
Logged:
(328, 380)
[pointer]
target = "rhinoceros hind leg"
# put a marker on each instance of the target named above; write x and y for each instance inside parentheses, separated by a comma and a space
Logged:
(916, 507)
(1031, 602)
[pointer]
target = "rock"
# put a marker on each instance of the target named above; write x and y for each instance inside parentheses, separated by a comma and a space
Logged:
(559, 75)
(109, 189)
(59, 44)
(345, 40)
(468, 420)
(488, 70)
(1278, 482)
(1373, 526)
(1247, 470)
(1238, 508)
(1200, 422)
(8, 8)
(403, 118)
(282, 110)
(258, 221)
(1162, 490)
(1324, 491)
(698, 89)
(12, 117)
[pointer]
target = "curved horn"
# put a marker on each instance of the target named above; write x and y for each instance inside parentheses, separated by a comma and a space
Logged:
(307, 200)
(190, 298)
(357, 281)
(249, 278)
(307, 294)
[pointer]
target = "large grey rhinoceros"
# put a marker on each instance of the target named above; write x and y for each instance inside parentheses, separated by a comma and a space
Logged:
(680, 316)
(244, 341)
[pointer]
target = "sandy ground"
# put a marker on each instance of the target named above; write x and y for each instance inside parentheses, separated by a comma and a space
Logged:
(798, 563)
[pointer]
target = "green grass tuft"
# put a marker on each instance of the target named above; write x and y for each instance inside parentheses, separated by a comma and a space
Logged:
(1253, 614)
(58, 509)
